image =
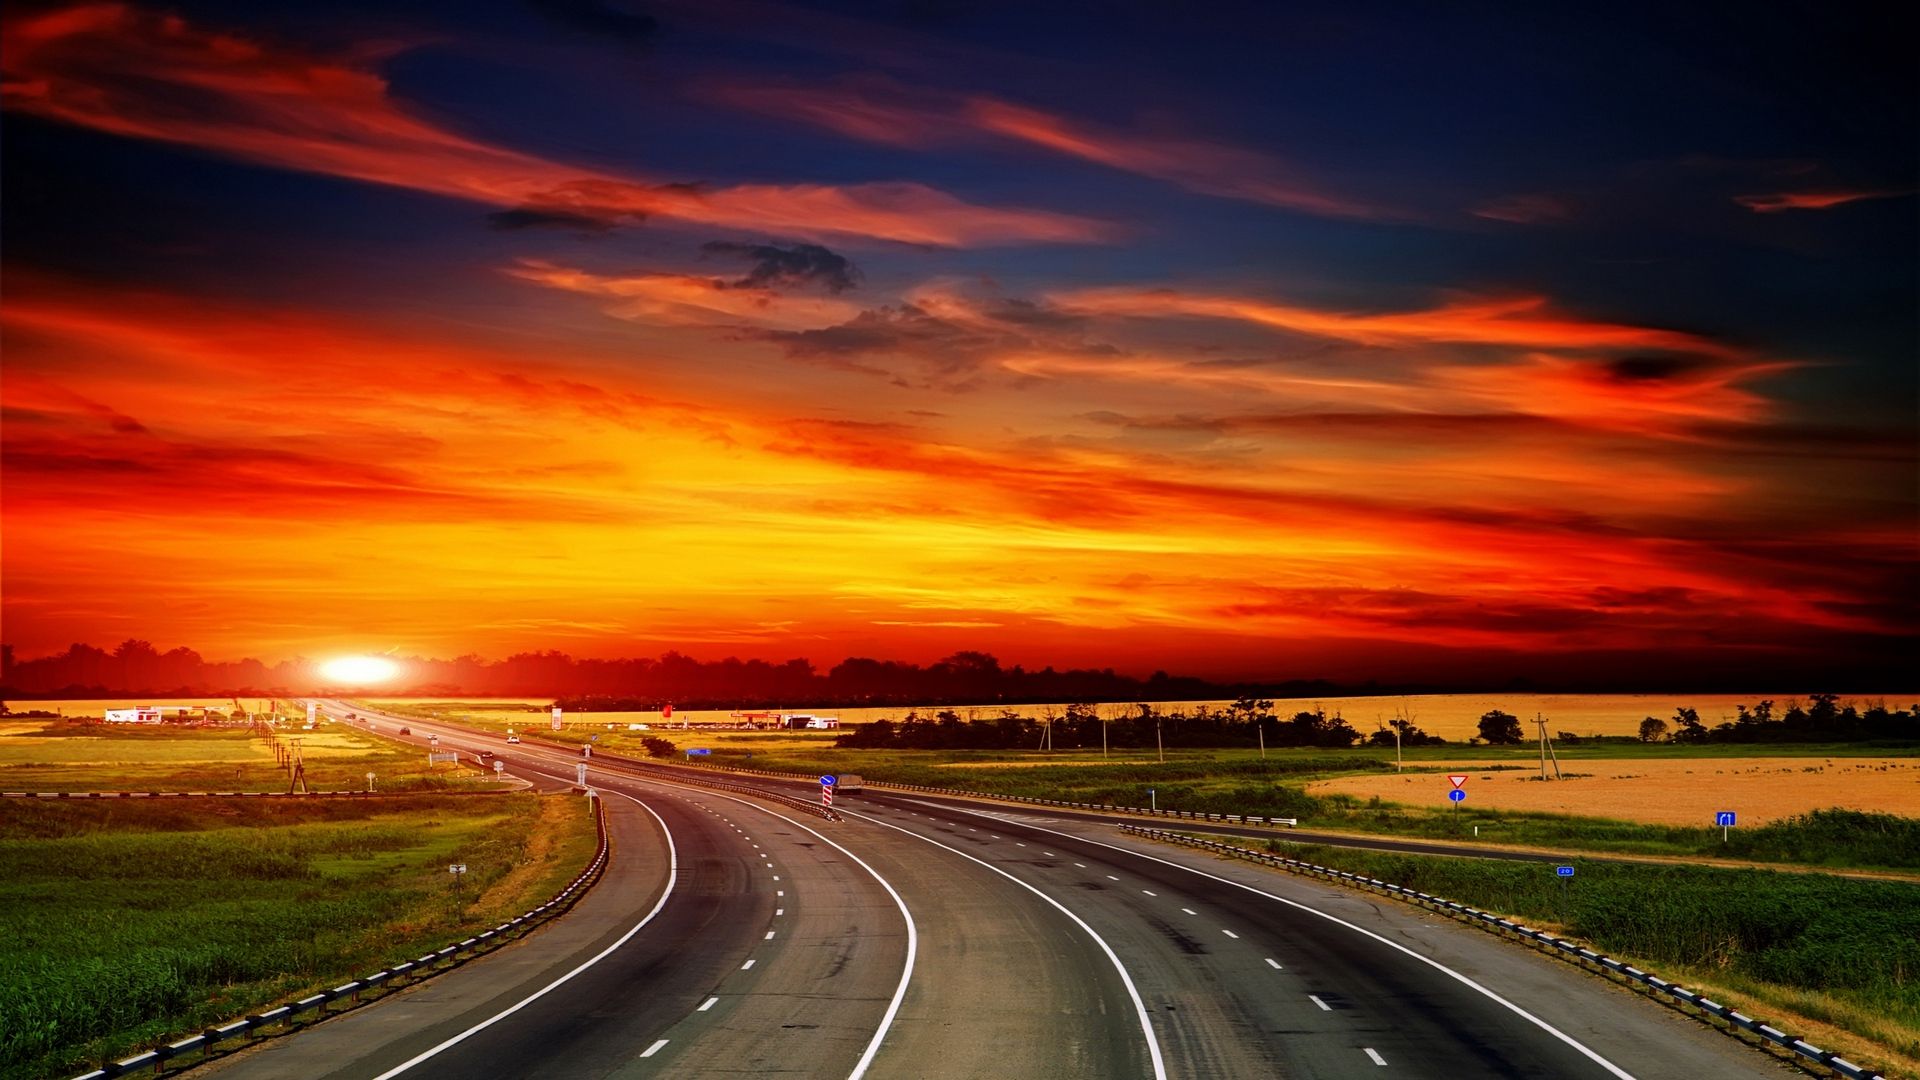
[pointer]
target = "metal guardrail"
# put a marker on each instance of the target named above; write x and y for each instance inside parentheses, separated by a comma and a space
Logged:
(1557, 946)
(418, 969)
(1190, 815)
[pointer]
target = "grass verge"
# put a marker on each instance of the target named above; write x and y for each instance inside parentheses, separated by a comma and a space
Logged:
(123, 923)
(68, 755)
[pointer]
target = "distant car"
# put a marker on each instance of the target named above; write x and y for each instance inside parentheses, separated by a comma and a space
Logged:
(486, 755)
(513, 738)
(406, 731)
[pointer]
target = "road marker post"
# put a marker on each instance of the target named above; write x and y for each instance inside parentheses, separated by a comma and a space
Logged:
(826, 790)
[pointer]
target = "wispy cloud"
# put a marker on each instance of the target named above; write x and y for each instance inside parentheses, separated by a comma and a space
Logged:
(880, 110)
(673, 299)
(115, 68)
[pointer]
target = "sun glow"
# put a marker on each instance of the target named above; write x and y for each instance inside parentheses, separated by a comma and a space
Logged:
(359, 669)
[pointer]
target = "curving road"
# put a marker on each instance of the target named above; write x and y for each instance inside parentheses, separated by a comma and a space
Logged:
(925, 938)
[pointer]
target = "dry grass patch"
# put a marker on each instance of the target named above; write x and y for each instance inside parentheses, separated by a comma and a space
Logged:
(1660, 791)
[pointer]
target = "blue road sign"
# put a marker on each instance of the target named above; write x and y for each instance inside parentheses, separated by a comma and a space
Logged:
(829, 781)
(1563, 871)
(1723, 819)
(1456, 794)
(703, 752)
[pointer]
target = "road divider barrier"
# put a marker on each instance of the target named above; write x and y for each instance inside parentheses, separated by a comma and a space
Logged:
(1558, 946)
(415, 970)
(1110, 808)
(681, 775)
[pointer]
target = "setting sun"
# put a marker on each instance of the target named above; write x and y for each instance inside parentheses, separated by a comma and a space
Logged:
(359, 669)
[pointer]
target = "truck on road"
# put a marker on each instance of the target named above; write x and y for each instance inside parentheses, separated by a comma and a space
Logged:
(846, 783)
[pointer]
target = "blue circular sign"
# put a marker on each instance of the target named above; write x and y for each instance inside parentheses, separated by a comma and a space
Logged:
(829, 781)
(1456, 794)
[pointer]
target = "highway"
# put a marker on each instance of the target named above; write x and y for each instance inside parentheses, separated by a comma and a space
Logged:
(921, 938)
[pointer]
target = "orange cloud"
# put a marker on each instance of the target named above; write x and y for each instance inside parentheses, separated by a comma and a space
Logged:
(114, 68)
(689, 300)
(282, 480)
(1525, 322)
(1778, 201)
(882, 111)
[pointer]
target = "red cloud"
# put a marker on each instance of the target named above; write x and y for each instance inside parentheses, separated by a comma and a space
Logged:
(114, 68)
(1775, 202)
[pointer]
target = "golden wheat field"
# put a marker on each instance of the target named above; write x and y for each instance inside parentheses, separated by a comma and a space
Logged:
(1688, 791)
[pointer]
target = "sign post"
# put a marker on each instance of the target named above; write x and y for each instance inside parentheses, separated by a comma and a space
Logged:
(456, 869)
(1565, 874)
(580, 773)
(499, 767)
(313, 711)
(556, 718)
(369, 781)
(1724, 819)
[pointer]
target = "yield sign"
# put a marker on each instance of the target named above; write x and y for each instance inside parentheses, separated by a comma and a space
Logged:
(1457, 778)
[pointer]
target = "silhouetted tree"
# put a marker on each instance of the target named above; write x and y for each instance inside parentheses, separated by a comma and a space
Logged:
(1500, 728)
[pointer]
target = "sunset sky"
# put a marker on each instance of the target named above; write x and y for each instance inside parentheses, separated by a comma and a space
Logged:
(1283, 341)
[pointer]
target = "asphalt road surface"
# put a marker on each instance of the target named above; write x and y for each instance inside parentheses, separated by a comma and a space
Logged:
(932, 938)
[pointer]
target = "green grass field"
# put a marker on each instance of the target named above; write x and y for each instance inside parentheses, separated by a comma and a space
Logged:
(122, 923)
(1834, 950)
(64, 755)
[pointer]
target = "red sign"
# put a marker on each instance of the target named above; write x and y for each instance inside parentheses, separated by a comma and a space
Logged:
(667, 709)
(1457, 778)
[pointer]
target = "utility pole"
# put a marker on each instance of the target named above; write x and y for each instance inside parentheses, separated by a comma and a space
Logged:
(1546, 748)
(1260, 728)
(1157, 744)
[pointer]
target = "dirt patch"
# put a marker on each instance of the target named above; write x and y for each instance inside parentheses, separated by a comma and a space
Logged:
(539, 852)
(1663, 791)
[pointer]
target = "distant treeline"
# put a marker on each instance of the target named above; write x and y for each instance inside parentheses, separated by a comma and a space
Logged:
(643, 683)
(1247, 722)
(1822, 719)
(1251, 722)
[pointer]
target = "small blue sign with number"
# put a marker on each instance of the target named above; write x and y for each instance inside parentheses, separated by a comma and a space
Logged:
(699, 751)
(1456, 794)
(829, 781)
(1563, 871)
(1723, 818)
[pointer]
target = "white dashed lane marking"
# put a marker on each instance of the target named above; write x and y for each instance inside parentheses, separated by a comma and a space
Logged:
(1375, 1055)
(654, 1049)
(1315, 998)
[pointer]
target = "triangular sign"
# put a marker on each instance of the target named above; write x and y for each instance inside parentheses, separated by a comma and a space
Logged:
(1457, 778)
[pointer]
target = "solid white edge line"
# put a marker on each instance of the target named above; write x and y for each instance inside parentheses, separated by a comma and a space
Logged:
(1590, 1055)
(673, 876)
(1139, 1006)
(913, 934)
